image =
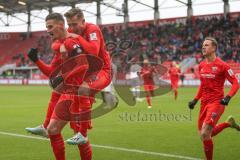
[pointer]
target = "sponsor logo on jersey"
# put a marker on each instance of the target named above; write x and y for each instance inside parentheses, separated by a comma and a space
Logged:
(93, 36)
(214, 69)
(230, 72)
(208, 75)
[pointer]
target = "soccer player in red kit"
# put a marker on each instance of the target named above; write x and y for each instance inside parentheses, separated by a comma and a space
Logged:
(46, 70)
(55, 27)
(213, 73)
(147, 73)
(91, 39)
(174, 73)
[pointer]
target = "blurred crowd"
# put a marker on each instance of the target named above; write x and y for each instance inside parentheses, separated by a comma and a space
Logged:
(167, 42)
(178, 41)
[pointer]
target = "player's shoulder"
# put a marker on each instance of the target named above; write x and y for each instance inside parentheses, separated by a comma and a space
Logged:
(220, 62)
(202, 63)
(91, 27)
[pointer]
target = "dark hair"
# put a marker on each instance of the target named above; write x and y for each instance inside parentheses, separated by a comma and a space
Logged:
(74, 12)
(54, 16)
(213, 40)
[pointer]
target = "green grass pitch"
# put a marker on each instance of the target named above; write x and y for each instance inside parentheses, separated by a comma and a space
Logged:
(126, 127)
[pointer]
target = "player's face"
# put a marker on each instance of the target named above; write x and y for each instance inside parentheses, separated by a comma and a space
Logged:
(174, 64)
(55, 28)
(207, 48)
(76, 24)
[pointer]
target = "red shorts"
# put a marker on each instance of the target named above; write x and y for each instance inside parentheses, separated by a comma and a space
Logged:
(174, 83)
(210, 114)
(75, 109)
(149, 87)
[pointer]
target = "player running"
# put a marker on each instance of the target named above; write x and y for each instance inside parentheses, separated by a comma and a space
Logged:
(147, 73)
(213, 73)
(174, 73)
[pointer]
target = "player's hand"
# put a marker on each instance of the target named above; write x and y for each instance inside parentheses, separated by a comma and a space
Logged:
(56, 81)
(225, 100)
(33, 54)
(192, 103)
(73, 47)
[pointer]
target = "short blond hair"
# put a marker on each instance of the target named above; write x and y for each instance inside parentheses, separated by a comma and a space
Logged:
(213, 40)
(74, 12)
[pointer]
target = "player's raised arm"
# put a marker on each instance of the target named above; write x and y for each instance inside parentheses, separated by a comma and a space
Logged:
(44, 68)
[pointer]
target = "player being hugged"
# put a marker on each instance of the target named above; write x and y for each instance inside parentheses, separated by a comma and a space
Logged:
(64, 50)
(213, 73)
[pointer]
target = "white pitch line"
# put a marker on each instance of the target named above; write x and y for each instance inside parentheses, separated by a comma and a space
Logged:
(110, 147)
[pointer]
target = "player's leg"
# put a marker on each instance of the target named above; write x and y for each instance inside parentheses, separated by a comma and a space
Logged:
(233, 123)
(176, 90)
(80, 120)
(95, 83)
(57, 143)
(213, 114)
(148, 95)
(53, 101)
(230, 122)
(206, 138)
(205, 132)
(174, 84)
(58, 120)
(41, 129)
(85, 151)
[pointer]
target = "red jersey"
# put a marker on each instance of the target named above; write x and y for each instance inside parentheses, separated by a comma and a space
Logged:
(147, 75)
(92, 42)
(212, 77)
(174, 73)
(73, 70)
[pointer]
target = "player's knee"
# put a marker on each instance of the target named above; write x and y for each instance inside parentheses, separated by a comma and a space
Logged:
(205, 135)
(52, 130)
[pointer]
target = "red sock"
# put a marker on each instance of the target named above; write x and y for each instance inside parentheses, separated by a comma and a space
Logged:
(175, 94)
(58, 147)
(208, 149)
(85, 151)
(218, 128)
(149, 100)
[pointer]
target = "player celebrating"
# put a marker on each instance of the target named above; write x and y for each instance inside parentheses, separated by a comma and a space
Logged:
(213, 73)
(55, 27)
(174, 72)
(147, 73)
(91, 39)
